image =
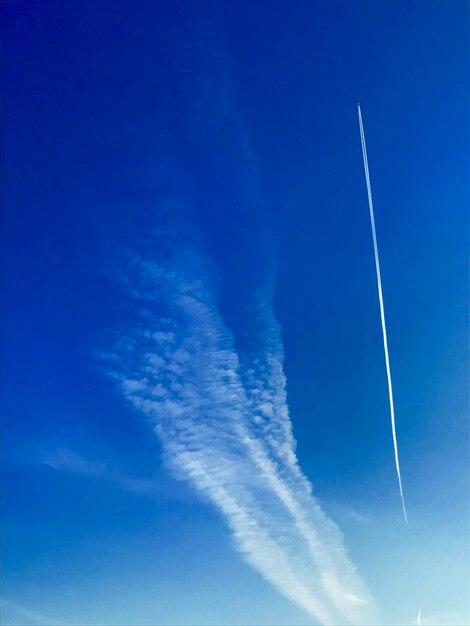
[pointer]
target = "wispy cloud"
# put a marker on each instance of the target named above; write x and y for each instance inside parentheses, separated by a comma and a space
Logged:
(13, 613)
(67, 460)
(223, 420)
(359, 517)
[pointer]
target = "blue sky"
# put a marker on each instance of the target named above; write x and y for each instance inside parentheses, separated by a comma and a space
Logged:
(184, 214)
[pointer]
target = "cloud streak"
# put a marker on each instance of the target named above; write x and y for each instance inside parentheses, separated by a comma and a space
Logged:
(15, 613)
(382, 311)
(156, 486)
(223, 420)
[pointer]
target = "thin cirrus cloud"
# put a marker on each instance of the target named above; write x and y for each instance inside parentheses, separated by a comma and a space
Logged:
(223, 421)
(15, 613)
(67, 460)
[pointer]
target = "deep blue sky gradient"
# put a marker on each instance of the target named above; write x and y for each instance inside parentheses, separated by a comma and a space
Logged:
(99, 107)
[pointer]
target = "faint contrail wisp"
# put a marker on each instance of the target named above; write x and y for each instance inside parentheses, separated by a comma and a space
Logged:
(382, 314)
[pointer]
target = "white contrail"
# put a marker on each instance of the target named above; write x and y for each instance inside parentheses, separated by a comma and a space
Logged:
(418, 618)
(382, 314)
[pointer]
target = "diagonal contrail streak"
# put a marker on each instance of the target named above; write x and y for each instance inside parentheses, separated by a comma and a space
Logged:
(382, 313)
